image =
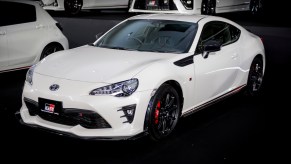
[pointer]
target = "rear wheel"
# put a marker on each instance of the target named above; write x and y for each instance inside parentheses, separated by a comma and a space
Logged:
(49, 49)
(208, 7)
(164, 112)
(73, 7)
(256, 7)
(255, 78)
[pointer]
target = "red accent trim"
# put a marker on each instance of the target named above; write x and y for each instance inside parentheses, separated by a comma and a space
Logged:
(15, 69)
(157, 112)
(215, 100)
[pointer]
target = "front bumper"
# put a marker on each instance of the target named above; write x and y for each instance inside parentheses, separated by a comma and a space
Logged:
(72, 96)
(66, 134)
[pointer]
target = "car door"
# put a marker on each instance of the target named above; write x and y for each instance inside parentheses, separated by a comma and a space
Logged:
(3, 38)
(216, 74)
(24, 35)
(109, 3)
(3, 48)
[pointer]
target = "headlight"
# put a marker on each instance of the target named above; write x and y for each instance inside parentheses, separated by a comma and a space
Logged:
(121, 89)
(29, 75)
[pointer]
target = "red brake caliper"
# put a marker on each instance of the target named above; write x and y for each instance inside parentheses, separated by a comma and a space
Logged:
(157, 112)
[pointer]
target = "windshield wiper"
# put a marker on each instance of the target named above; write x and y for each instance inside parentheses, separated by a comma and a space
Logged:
(162, 51)
(118, 48)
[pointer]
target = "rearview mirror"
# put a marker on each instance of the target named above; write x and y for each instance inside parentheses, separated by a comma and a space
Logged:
(210, 46)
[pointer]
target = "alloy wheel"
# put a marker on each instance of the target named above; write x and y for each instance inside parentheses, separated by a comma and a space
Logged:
(255, 77)
(208, 7)
(164, 112)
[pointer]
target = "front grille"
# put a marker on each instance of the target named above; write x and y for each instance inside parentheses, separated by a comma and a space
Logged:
(71, 117)
(159, 5)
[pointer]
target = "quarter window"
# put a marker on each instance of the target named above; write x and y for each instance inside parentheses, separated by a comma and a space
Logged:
(16, 13)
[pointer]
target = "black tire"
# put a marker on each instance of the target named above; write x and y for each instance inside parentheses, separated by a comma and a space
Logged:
(73, 7)
(255, 78)
(256, 7)
(49, 49)
(208, 7)
(163, 112)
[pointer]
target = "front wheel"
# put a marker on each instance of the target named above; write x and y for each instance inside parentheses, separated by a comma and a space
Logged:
(255, 78)
(164, 112)
(73, 7)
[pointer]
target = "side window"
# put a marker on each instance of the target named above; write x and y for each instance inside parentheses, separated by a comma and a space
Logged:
(234, 33)
(219, 31)
(16, 13)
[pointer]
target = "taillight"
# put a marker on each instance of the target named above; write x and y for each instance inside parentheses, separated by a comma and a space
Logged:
(59, 26)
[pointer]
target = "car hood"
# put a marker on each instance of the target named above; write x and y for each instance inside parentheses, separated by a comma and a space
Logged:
(94, 64)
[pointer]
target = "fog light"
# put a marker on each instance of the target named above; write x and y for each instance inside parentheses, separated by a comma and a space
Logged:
(129, 112)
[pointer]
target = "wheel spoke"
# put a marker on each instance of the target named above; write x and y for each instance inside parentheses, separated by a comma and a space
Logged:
(169, 101)
(164, 126)
(173, 108)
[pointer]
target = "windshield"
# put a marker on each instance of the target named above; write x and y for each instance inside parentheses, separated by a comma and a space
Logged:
(163, 36)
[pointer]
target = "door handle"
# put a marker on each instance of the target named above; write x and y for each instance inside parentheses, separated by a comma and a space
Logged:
(39, 26)
(2, 32)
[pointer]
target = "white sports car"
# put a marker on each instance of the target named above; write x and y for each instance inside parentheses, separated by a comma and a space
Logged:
(142, 76)
(75, 6)
(207, 7)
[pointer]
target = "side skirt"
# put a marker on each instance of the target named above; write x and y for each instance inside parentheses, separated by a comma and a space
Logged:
(15, 69)
(216, 100)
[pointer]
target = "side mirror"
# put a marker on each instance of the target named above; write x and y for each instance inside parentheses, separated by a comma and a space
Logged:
(210, 46)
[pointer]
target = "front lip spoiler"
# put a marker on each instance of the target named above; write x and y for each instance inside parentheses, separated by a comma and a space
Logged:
(66, 134)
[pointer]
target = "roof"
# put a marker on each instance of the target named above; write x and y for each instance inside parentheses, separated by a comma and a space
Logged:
(181, 17)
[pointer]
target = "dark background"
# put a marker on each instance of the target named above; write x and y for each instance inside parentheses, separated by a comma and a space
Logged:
(237, 130)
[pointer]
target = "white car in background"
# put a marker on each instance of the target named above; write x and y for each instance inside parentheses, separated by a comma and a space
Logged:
(142, 76)
(73, 7)
(207, 7)
(27, 35)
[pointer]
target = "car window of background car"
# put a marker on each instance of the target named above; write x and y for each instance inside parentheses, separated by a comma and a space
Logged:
(235, 33)
(16, 13)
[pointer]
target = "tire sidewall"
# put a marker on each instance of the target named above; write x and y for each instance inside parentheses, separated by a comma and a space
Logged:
(260, 9)
(203, 2)
(68, 10)
(249, 90)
